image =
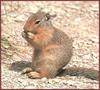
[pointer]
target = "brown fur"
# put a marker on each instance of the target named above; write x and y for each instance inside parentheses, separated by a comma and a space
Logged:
(52, 47)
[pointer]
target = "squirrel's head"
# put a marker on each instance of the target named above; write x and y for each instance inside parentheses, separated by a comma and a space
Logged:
(37, 20)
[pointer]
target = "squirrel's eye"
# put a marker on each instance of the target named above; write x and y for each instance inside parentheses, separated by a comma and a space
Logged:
(37, 22)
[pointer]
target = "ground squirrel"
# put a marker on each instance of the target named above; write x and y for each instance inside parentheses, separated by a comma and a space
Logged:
(52, 47)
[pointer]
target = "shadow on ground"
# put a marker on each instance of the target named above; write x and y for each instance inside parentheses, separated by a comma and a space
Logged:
(88, 73)
(19, 65)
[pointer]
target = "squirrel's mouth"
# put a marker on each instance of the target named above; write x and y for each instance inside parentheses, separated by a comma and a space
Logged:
(27, 34)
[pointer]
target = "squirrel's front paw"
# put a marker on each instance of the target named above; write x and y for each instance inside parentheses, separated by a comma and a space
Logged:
(33, 75)
(27, 35)
(30, 35)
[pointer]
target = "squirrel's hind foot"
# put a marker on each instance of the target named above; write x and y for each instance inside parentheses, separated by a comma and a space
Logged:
(26, 70)
(33, 75)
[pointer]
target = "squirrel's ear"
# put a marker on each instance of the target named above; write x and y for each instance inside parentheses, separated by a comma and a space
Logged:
(48, 16)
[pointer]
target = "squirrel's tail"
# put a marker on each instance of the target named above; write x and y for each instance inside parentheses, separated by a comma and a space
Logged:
(73, 71)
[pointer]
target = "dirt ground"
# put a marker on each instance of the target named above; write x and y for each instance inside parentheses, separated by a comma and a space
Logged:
(78, 19)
